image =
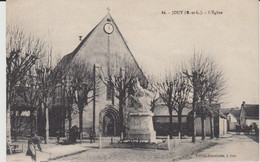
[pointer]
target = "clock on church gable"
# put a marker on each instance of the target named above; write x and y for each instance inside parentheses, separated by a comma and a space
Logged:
(108, 28)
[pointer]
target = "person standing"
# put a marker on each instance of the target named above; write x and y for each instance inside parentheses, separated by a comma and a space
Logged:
(92, 136)
(58, 136)
(33, 142)
(74, 133)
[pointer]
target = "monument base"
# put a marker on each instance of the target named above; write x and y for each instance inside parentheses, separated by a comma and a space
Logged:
(140, 127)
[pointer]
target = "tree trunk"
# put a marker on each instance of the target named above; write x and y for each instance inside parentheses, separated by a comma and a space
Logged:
(42, 122)
(202, 127)
(121, 115)
(36, 121)
(80, 119)
(8, 113)
(64, 121)
(203, 134)
(180, 123)
(69, 116)
(46, 124)
(8, 124)
(170, 126)
(211, 127)
(15, 126)
(194, 117)
(193, 127)
(194, 109)
(32, 121)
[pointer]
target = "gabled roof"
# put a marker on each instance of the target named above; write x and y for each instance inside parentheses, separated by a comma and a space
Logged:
(251, 111)
(103, 49)
(226, 111)
(216, 110)
(236, 113)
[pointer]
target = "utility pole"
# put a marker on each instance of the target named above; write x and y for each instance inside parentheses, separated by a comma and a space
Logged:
(94, 99)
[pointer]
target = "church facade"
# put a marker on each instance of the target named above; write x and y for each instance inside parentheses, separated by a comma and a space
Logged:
(105, 51)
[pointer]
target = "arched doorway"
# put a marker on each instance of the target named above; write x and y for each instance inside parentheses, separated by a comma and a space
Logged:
(108, 121)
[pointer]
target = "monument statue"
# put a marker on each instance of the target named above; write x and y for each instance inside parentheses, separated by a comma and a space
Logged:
(141, 101)
(139, 120)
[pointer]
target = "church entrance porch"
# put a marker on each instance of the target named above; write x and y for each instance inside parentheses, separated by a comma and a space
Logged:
(108, 120)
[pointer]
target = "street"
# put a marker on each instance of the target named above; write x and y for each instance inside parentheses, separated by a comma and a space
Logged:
(237, 148)
(229, 148)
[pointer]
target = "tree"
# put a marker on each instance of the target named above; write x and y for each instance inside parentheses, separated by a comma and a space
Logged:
(45, 88)
(196, 75)
(26, 95)
(182, 90)
(69, 96)
(120, 82)
(22, 51)
(211, 89)
(175, 94)
(81, 83)
(216, 91)
(36, 89)
(60, 86)
(206, 82)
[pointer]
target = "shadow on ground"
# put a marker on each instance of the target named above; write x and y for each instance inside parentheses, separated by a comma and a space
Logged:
(253, 137)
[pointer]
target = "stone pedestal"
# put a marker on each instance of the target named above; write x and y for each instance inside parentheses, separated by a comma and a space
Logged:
(140, 126)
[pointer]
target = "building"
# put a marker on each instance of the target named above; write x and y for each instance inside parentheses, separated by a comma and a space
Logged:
(105, 51)
(161, 119)
(217, 119)
(233, 118)
(249, 114)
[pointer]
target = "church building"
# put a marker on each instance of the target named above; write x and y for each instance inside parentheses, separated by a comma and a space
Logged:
(105, 52)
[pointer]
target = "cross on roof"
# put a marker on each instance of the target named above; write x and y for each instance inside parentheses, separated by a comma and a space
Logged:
(108, 9)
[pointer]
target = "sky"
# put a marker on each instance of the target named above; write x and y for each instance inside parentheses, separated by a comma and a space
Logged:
(159, 42)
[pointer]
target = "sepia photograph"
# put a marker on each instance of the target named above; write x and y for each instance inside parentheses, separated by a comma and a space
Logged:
(131, 80)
